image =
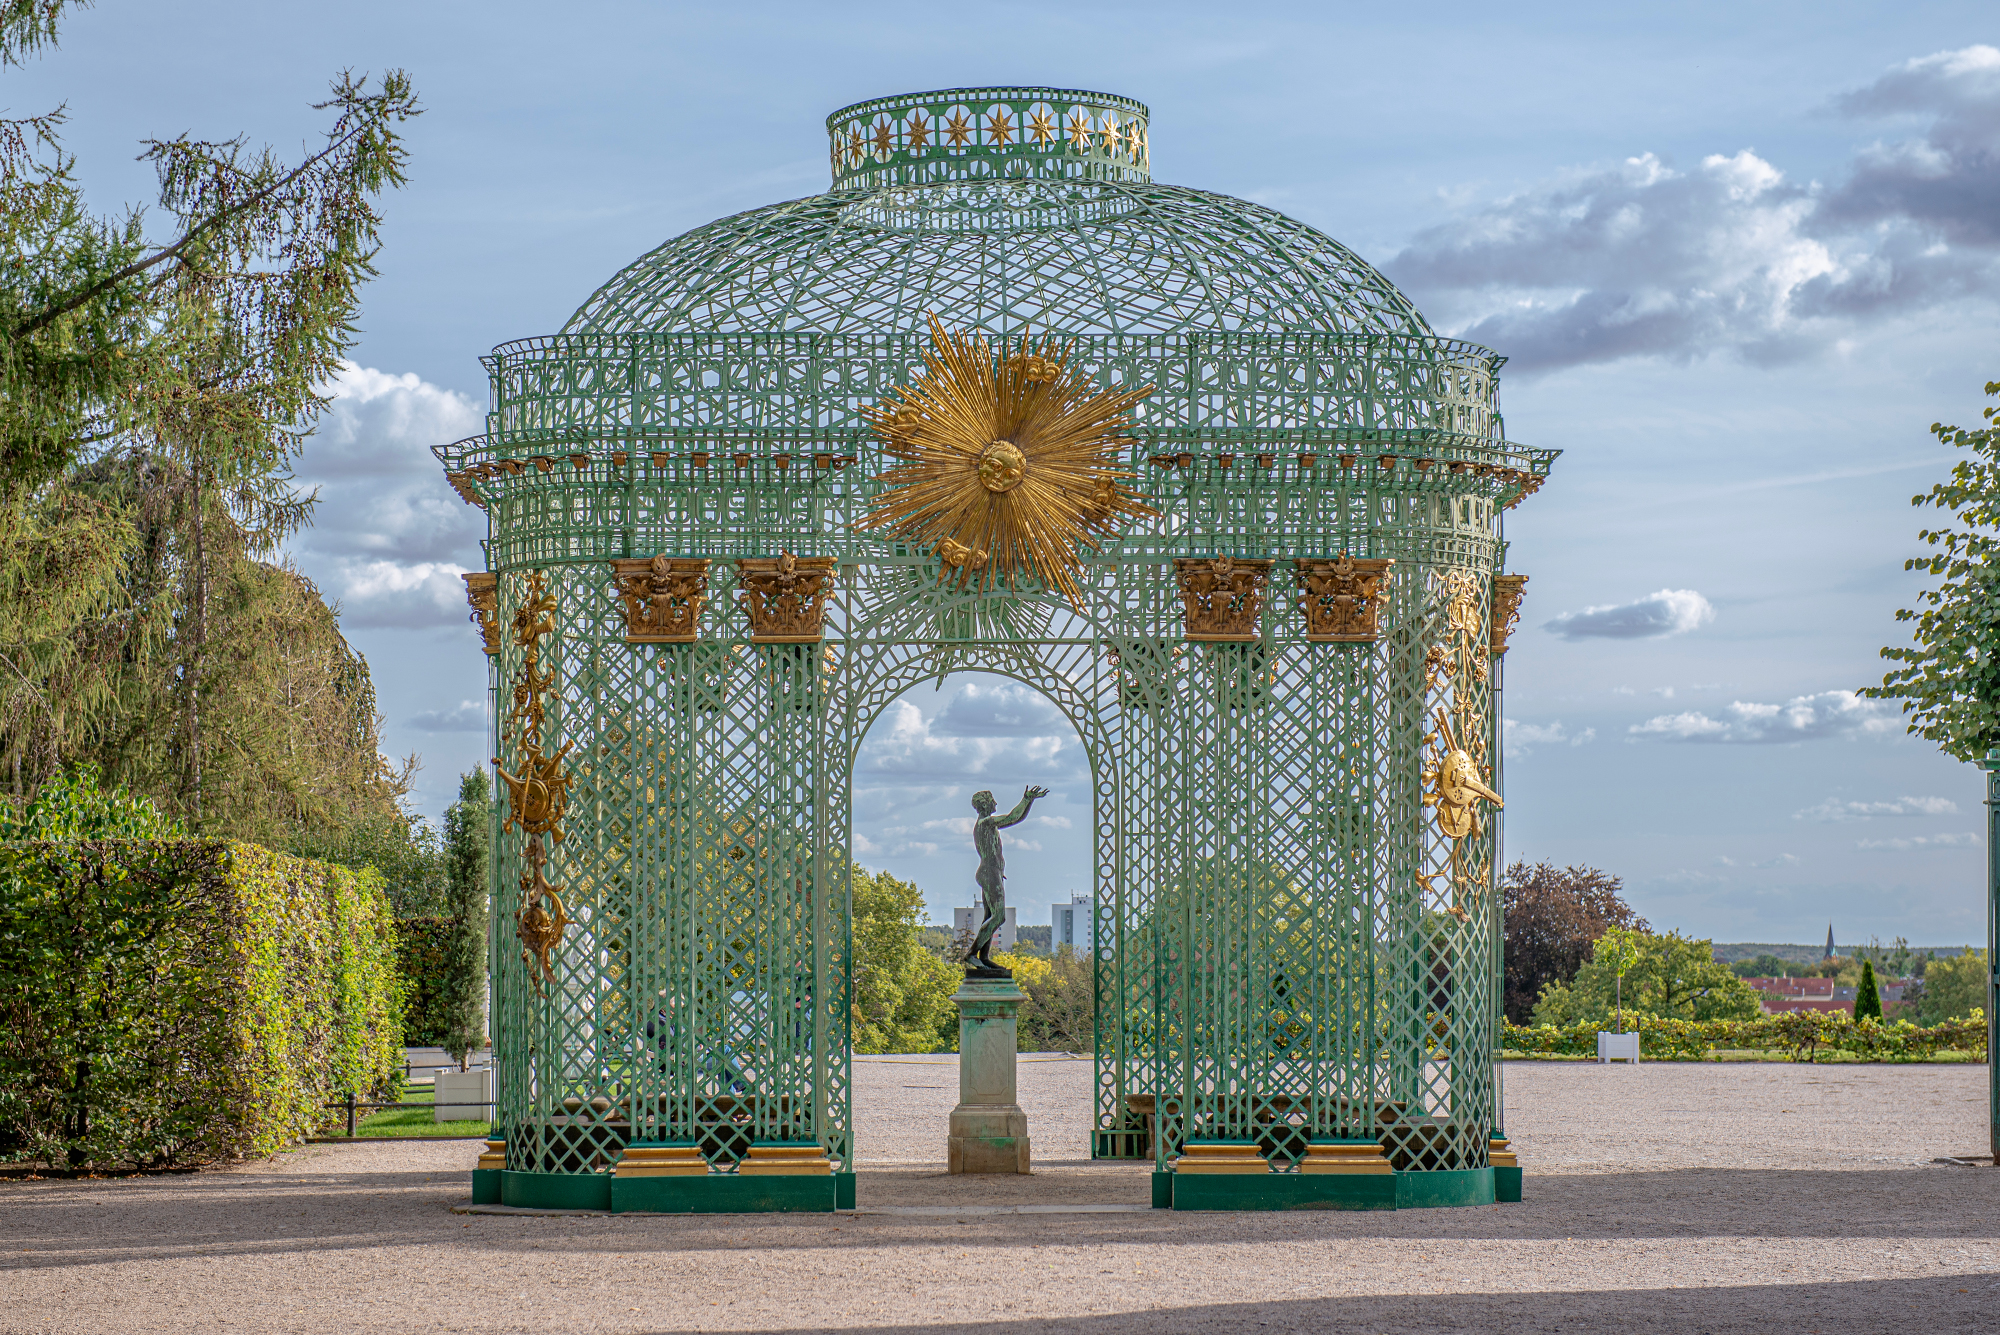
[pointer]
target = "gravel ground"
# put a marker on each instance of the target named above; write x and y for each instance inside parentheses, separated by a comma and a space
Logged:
(1664, 1197)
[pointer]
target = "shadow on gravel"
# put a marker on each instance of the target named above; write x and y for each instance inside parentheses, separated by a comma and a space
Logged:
(78, 1223)
(1944, 1307)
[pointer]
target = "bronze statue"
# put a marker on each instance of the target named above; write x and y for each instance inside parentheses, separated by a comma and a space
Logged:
(992, 877)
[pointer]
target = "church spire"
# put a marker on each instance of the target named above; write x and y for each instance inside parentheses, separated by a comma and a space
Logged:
(1829, 942)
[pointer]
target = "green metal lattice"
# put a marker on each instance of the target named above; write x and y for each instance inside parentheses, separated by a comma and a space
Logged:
(1270, 964)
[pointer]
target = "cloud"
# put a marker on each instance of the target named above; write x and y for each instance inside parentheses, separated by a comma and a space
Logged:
(905, 745)
(1668, 612)
(389, 538)
(1522, 738)
(995, 708)
(1834, 810)
(1782, 860)
(1646, 259)
(1923, 841)
(469, 716)
(1803, 718)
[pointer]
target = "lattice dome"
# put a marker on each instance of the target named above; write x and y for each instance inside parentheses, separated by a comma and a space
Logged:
(1045, 218)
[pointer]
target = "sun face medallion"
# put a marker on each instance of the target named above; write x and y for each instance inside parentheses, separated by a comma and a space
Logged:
(1002, 466)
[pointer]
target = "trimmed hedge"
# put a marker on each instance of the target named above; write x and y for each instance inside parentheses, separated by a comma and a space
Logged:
(1804, 1034)
(175, 1002)
(420, 944)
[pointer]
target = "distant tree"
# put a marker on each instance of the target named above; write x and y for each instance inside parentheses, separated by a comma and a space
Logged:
(1867, 995)
(1673, 976)
(1060, 1012)
(1553, 918)
(902, 992)
(465, 830)
(1954, 987)
(1949, 681)
(1765, 965)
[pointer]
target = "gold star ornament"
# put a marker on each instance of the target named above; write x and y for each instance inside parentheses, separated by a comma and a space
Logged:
(1008, 461)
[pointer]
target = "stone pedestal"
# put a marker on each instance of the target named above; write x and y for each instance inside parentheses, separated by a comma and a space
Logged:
(989, 1132)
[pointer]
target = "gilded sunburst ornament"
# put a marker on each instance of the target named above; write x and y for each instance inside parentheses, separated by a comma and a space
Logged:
(1008, 461)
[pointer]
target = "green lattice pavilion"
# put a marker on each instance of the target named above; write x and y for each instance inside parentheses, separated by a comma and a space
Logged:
(1293, 868)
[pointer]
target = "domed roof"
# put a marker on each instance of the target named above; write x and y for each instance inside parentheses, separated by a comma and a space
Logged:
(1001, 209)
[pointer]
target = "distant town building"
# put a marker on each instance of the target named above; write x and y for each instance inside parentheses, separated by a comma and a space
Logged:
(1829, 943)
(1779, 995)
(1071, 924)
(968, 920)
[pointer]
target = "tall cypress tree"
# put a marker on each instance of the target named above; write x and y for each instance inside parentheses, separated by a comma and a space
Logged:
(465, 828)
(1867, 997)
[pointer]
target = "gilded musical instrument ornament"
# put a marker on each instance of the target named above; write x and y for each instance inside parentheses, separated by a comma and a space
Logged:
(1456, 775)
(1008, 461)
(538, 795)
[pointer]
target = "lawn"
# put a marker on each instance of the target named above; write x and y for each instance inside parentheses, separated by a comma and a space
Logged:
(417, 1121)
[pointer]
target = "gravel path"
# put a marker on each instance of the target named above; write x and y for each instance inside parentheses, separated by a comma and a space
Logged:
(1666, 1197)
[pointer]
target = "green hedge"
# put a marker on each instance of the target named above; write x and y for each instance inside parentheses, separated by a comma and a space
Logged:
(176, 1002)
(420, 959)
(1802, 1034)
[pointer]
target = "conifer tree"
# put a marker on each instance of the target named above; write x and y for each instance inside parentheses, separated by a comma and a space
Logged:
(1867, 996)
(465, 850)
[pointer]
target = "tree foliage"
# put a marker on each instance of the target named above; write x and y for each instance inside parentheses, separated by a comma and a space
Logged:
(1867, 994)
(1060, 1012)
(1954, 987)
(1670, 976)
(902, 992)
(1949, 681)
(1553, 918)
(465, 850)
(159, 370)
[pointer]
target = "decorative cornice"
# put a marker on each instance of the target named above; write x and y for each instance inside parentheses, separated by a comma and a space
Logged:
(990, 134)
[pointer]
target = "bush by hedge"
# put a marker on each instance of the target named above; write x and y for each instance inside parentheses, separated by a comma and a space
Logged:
(176, 1002)
(1803, 1034)
(420, 949)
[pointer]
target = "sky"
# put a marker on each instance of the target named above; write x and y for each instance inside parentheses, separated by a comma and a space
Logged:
(1740, 257)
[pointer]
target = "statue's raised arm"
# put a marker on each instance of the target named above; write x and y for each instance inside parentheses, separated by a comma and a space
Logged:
(1020, 811)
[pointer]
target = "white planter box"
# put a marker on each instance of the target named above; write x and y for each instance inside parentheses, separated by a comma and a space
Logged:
(1617, 1047)
(463, 1087)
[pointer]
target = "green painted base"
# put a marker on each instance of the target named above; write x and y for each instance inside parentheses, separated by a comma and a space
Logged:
(721, 1193)
(556, 1191)
(486, 1186)
(1325, 1191)
(1285, 1191)
(843, 1191)
(1507, 1184)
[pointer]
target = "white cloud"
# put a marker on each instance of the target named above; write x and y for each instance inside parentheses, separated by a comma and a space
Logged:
(903, 744)
(389, 538)
(1834, 810)
(1801, 719)
(1782, 860)
(1647, 259)
(1521, 738)
(1668, 612)
(1923, 841)
(1054, 822)
(468, 716)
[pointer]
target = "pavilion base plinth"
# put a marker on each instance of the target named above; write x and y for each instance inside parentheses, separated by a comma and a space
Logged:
(1325, 1191)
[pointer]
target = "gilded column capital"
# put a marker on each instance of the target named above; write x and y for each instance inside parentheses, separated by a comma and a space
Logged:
(663, 597)
(482, 595)
(784, 596)
(1508, 590)
(1222, 595)
(1341, 597)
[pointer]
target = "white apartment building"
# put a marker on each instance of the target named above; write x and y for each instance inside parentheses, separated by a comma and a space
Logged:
(1070, 924)
(968, 920)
